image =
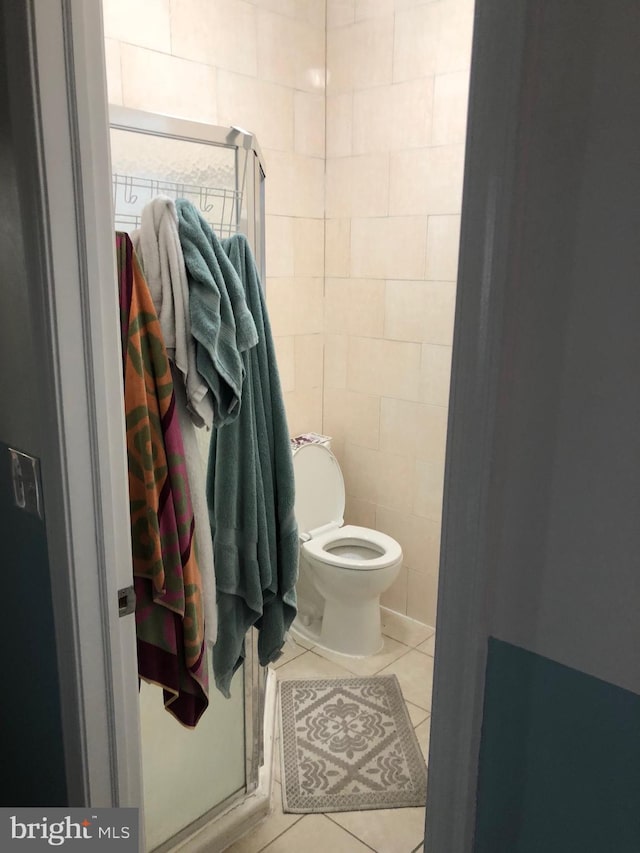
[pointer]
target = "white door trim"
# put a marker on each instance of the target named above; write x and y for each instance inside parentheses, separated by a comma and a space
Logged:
(469, 518)
(59, 111)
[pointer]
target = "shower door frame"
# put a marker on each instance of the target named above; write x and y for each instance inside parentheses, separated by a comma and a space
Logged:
(249, 182)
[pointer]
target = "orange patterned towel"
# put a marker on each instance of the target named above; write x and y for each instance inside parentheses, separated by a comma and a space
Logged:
(169, 609)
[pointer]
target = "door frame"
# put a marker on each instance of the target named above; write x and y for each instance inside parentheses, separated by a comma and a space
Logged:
(59, 117)
(470, 517)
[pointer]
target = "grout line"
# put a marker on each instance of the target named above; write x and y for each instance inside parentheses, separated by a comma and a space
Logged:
(284, 832)
(353, 835)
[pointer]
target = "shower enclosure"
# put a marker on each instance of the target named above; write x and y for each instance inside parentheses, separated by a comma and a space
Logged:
(191, 777)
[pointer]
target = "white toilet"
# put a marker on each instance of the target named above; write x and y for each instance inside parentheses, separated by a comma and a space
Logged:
(343, 569)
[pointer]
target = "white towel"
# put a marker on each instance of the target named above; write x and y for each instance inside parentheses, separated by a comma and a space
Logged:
(197, 473)
(158, 246)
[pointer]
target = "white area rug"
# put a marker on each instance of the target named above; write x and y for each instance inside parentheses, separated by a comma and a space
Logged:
(347, 744)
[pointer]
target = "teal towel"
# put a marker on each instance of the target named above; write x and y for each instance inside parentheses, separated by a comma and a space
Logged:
(220, 320)
(250, 488)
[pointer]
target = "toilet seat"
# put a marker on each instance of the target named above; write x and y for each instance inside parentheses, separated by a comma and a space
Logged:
(318, 548)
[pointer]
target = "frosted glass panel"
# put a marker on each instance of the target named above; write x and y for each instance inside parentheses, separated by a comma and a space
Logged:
(145, 166)
(186, 773)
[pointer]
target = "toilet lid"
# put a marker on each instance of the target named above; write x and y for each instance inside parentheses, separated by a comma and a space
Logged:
(319, 488)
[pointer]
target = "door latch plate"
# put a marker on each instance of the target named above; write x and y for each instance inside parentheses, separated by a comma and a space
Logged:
(25, 477)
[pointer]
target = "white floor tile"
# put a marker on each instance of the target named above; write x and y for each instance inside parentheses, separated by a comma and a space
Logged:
(300, 640)
(416, 714)
(415, 674)
(403, 629)
(271, 827)
(385, 830)
(311, 665)
(428, 647)
(290, 651)
(317, 834)
(391, 651)
(423, 732)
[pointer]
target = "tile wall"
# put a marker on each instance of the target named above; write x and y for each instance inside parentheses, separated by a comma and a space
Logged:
(363, 212)
(397, 81)
(259, 64)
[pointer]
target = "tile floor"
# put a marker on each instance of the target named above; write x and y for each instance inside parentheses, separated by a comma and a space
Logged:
(408, 653)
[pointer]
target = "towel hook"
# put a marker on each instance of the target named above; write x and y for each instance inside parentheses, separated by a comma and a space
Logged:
(204, 195)
(129, 196)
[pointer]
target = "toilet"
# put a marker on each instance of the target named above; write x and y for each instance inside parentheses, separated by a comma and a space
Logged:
(343, 568)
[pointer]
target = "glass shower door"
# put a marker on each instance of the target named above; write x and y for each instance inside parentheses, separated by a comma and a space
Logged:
(186, 774)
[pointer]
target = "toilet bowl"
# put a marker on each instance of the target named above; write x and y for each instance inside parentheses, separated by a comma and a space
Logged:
(343, 568)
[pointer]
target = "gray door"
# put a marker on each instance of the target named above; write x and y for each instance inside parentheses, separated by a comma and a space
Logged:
(70, 729)
(536, 736)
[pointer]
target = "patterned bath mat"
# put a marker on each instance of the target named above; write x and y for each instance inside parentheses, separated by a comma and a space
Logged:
(347, 744)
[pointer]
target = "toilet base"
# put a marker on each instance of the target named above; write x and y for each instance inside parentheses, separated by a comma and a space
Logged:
(312, 633)
(352, 628)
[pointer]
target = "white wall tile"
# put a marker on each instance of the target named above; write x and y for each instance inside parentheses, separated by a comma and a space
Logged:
(114, 72)
(164, 84)
(265, 109)
(310, 11)
(359, 512)
(396, 475)
(450, 102)
(295, 305)
(340, 13)
(294, 185)
(337, 247)
(308, 247)
(426, 181)
(309, 361)
(386, 368)
(435, 374)
(428, 489)
(420, 311)
(422, 596)
(443, 238)
(144, 23)
(454, 40)
(366, 9)
(416, 429)
(415, 47)
(395, 598)
(309, 123)
(304, 410)
(357, 186)
(402, 5)
(335, 361)
(286, 361)
(354, 306)
(359, 56)
(290, 52)
(360, 471)
(222, 33)
(353, 417)
(279, 246)
(419, 537)
(339, 124)
(388, 247)
(393, 117)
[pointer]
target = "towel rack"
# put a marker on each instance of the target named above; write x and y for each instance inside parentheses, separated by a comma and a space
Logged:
(220, 207)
